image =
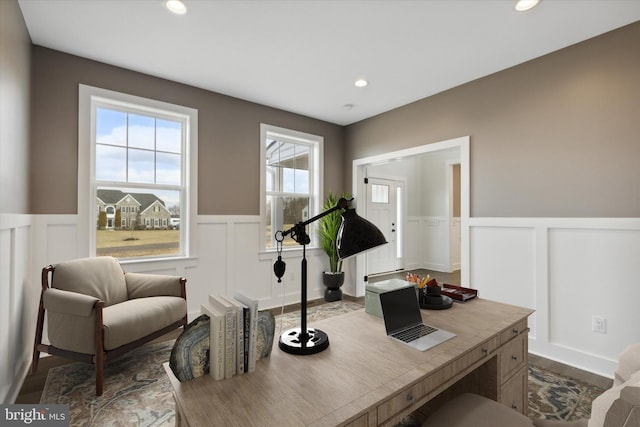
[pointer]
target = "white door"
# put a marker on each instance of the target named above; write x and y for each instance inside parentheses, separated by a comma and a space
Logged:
(382, 210)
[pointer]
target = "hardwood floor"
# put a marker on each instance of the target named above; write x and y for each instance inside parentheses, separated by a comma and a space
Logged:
(34, 383)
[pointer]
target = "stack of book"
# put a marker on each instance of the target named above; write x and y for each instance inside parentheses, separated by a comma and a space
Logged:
(232, 339)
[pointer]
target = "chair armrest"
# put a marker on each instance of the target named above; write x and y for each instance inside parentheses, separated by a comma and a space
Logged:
(153, 285)
(66, 302)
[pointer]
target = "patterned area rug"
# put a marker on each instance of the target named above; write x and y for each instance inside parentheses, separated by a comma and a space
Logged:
(555, 397)
(138, 393)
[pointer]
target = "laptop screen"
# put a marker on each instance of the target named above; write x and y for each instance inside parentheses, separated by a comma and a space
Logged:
(400, 309)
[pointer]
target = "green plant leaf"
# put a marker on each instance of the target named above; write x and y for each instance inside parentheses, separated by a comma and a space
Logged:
(328, 230)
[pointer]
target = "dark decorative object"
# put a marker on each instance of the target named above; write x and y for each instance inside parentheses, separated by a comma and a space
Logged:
(333, 281)
(355, 235)
(190, 353)
(266, 330)
(329, 226)
(430, 297)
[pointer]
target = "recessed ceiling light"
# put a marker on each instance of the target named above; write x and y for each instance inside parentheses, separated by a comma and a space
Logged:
(524, 5)
(361, 83)
(176, 6)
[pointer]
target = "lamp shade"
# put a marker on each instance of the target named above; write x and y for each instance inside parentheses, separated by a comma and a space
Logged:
(357, 235)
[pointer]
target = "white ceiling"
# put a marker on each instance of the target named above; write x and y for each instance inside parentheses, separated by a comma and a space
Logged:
(304, 55)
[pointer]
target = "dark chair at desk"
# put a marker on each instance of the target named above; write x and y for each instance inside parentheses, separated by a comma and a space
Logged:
(617, 407)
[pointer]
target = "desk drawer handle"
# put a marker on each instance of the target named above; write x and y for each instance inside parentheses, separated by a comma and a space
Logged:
(514, 357)
(485, 351)
(410, 398)
(516, 331)
(514, 407)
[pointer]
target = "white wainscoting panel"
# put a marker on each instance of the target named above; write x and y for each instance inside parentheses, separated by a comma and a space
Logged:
(427, 244)
(598, 276)
(55, 239)
(435, 243)
(18, 303)
(503, 264)
(413, 243)
(568, 270)
(6, 331)
(455, 248)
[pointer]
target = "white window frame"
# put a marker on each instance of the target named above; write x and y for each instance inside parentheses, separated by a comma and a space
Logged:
(316, 179)
(88, 98)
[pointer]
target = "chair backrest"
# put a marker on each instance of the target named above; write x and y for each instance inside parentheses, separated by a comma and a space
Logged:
(100, 277)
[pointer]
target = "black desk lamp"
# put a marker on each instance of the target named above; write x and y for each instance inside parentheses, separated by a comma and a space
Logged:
(355, 235)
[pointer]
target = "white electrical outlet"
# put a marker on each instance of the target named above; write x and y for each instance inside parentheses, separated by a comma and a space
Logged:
(599, 324)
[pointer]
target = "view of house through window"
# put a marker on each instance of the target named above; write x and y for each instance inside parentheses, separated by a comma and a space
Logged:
(291, 180)
(139, 179)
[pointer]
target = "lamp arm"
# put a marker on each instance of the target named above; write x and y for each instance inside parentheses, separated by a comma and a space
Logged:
(342, 204)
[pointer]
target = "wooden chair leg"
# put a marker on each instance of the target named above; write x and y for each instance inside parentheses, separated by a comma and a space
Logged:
(38, 338)
(99, 360)
(35, 361)
(99, 373)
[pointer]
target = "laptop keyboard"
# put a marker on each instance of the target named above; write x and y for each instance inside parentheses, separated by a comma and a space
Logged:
(413, 333)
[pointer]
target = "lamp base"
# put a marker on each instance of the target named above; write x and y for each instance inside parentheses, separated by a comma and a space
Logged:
(293, 341)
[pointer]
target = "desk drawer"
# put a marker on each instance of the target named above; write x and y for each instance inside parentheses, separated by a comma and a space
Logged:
(513, 355)
(513, 331)
(441, 378)
(515, 393)
(403, 400)
(479, 352)
(362, 421)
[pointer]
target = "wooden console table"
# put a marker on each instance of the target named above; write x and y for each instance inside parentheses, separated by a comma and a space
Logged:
(365, 378)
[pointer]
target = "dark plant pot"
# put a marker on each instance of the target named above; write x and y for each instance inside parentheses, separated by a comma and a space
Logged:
(332, 281)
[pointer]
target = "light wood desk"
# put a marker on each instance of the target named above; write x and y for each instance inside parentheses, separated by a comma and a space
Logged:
(366, 379)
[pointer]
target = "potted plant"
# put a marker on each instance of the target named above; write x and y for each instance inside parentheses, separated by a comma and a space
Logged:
(328, 233)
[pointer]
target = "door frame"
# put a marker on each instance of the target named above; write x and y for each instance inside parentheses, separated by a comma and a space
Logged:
(450, 201)
(356, 286)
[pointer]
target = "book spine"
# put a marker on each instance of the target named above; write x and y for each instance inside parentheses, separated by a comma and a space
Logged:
(246, 325)
(230, 339)
(216, 342)
(218, 329)
(253, 327)
(230, 335)
(240, 341)
(253, 332)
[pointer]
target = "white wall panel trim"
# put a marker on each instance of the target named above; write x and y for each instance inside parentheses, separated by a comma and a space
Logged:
(570, 269)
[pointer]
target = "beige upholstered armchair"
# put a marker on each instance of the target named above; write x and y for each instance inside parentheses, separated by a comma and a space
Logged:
(617, 407)
(95, 311)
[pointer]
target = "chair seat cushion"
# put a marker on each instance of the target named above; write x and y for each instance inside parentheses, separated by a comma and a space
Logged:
(472, 410)
(133, 319)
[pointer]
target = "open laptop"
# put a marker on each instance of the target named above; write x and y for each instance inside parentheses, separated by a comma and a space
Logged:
(403, 320)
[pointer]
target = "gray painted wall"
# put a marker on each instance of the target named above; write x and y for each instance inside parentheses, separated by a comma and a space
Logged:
(553, 137)
(229, 135)
(557, 136)
(15, 51)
